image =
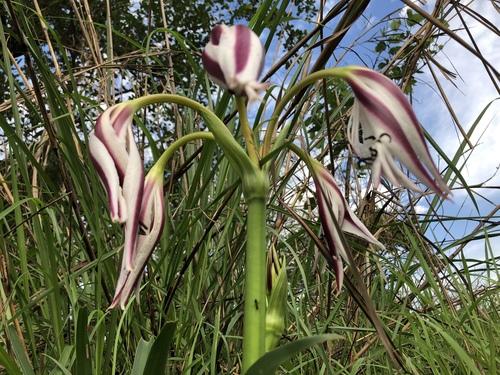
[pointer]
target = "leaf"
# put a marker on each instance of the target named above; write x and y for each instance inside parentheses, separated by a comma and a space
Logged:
(7, 362)
(151, 357)
(395, 25)
(269, 363)
(380, 47)
(83, 365)
(141, 356)
(22, 359)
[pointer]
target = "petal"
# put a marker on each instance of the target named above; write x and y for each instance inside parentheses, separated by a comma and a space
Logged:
(133, 186)
(354, 226)
(152, 217)
(384, 109)
(105, 167)
(115, 143)
(332, 236)
(213, 68)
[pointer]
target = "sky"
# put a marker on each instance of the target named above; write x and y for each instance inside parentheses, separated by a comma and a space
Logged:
(469, 93)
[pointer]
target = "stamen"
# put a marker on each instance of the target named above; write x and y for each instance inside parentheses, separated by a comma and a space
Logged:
(142, 228)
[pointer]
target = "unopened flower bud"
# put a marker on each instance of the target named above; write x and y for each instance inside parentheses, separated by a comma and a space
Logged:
(234, 59)
(276, 306)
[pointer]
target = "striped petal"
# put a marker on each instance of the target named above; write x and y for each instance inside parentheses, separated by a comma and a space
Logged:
(234, 59)
(333, 207)
(152, 219)
(389, 129)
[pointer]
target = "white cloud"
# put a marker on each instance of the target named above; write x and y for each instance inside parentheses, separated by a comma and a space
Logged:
(472, 93)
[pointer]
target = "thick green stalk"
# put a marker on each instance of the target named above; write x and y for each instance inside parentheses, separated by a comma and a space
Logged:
(254, 320)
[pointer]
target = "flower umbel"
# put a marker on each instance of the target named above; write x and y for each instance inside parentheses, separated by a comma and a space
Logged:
(116, 159)
(332, 206)
(151, 219)
(234, 59)
(389, 129)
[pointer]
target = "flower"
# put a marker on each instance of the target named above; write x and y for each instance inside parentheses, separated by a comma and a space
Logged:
(116, 159)
(332, 206)
(234, 59)
(389, 129)
(151, 219)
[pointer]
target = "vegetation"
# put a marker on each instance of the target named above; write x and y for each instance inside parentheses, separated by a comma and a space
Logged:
(63, 63)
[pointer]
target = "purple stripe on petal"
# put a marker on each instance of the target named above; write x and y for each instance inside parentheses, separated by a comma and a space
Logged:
(385, 82)
(106, 170)
(243, 47)
(121, 119)
(216, 34)
(212, 67)
(115, 145)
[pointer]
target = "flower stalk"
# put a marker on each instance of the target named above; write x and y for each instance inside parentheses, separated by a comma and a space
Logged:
(383, 127)
(254, 319)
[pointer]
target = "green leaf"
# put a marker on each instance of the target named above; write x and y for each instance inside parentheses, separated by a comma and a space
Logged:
(7, 362)
(269, 363)
(395, 25)
(83, 365)
(414, 19)
(380, 47)
(17, 347)
(141, 356)
(151, 357)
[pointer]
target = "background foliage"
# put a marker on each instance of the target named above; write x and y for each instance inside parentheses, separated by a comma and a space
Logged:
(63, 62)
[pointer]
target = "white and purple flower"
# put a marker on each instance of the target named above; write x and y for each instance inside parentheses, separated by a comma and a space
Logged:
(234, 59)
(115, 156)
(133, 200)
(151, 220)
(389, 128)
(332, 206)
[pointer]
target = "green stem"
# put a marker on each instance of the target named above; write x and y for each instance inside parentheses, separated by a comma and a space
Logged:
(247, 131)
(159, 166)
(255, 185)
(294, 90)
(232, 149)
(254, 320)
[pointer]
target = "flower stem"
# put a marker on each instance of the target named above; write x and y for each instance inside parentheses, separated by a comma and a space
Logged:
(247, 131)
(294, 90)
(254, 320)
(169, 152)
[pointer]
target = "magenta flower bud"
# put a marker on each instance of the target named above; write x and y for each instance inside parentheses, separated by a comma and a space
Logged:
(332, 206)
(234, 59)
(390, 130)
(151, 219)
(116, 159)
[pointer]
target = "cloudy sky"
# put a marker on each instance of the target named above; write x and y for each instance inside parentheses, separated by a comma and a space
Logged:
(469, 94)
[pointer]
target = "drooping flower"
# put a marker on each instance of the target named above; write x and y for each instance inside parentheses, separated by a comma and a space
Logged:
(234, 59)
(332, 206)
(389, 129)
(115, 156)
(151, 219)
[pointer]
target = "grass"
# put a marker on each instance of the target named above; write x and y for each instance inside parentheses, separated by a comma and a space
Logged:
(60, 252)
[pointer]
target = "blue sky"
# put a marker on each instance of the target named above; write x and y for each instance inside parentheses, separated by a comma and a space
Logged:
(469, 93)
